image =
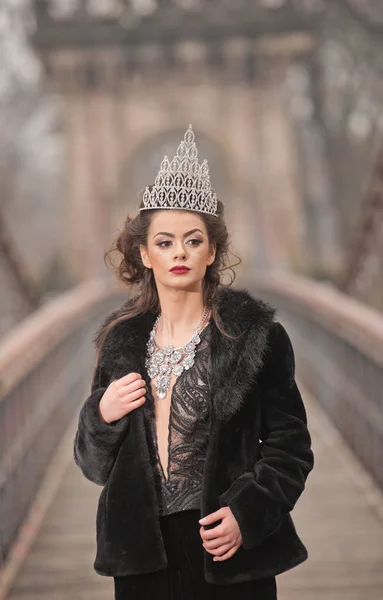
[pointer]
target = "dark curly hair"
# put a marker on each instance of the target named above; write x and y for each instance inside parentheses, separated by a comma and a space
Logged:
(125, 259)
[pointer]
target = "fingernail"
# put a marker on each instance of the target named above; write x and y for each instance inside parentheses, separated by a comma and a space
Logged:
(202, 521)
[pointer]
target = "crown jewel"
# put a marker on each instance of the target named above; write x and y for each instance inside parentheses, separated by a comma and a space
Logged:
(183, 183)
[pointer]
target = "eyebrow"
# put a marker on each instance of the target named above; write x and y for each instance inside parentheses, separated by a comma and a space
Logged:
(172, 234)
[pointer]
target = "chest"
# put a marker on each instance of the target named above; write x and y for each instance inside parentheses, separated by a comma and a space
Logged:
(179, 422)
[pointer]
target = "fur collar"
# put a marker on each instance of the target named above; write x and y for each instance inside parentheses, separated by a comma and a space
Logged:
(234, 363)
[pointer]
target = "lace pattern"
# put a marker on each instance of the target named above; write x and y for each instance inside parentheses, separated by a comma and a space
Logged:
(188, 432)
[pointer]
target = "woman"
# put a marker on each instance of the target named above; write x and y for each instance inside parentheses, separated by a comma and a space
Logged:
(194, 426)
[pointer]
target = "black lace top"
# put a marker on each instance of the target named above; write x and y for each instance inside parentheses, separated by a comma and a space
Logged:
(188, 433)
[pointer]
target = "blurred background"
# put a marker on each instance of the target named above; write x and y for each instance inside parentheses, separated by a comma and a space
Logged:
(285, 98)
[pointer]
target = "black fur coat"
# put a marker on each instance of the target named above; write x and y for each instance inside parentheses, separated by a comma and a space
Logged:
(258, 458)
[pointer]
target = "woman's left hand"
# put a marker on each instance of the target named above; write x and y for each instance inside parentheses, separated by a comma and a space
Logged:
(223, 540)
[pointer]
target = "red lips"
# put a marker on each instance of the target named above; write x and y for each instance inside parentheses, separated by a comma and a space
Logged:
(180, 269)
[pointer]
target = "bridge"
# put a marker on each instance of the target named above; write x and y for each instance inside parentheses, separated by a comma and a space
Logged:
(286, 98)
(45, 370)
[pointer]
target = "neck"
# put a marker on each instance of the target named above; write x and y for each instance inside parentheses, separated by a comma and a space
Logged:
(181, 314)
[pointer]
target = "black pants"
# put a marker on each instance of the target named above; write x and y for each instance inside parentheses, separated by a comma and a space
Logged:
(183, 578)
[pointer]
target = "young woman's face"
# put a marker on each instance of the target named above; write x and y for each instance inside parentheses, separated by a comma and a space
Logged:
(177, 237)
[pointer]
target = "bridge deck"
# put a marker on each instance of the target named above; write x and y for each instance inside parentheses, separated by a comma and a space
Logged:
(339, 517)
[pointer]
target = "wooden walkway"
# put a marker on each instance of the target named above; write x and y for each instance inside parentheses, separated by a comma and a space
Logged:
(339, 517)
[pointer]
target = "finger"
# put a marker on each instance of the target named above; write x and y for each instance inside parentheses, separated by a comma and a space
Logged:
(209, 534)
(129, 378)
(218, 514)
(221, 550)
(131, 396)
(128, 388)
(135, 404)
(133, 386)
(216, 543)
(228, 554)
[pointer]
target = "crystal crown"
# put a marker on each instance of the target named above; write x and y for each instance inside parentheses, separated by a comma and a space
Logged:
(183, 183)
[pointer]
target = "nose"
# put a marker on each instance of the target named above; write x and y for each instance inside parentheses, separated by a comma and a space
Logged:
(179, 251)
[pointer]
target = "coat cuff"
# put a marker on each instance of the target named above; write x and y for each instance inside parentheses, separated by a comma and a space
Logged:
(252, 521)
(92, 419)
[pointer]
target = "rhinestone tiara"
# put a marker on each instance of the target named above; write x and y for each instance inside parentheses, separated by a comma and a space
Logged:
(183, 183)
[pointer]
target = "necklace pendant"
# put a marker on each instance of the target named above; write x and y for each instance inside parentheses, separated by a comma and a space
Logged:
(152, 371)
(158, 358)
(163, 380)
(188, 361)
(176, 356)
(165, 369)
(189, 347)
(164, 362)
(177, 369)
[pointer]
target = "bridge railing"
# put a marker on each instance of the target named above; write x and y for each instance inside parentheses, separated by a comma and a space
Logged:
(338, 344)
(45, 368)
(46, 363)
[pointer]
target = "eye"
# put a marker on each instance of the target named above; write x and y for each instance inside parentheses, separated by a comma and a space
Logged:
(195, 241)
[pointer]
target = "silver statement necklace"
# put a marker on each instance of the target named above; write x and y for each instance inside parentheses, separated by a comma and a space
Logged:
(170, 360)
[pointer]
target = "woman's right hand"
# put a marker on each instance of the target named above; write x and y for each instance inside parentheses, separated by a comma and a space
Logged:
(122, 396)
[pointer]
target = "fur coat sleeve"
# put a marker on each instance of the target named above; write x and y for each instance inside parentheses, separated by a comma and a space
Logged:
(97, 443)
(259, 499)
